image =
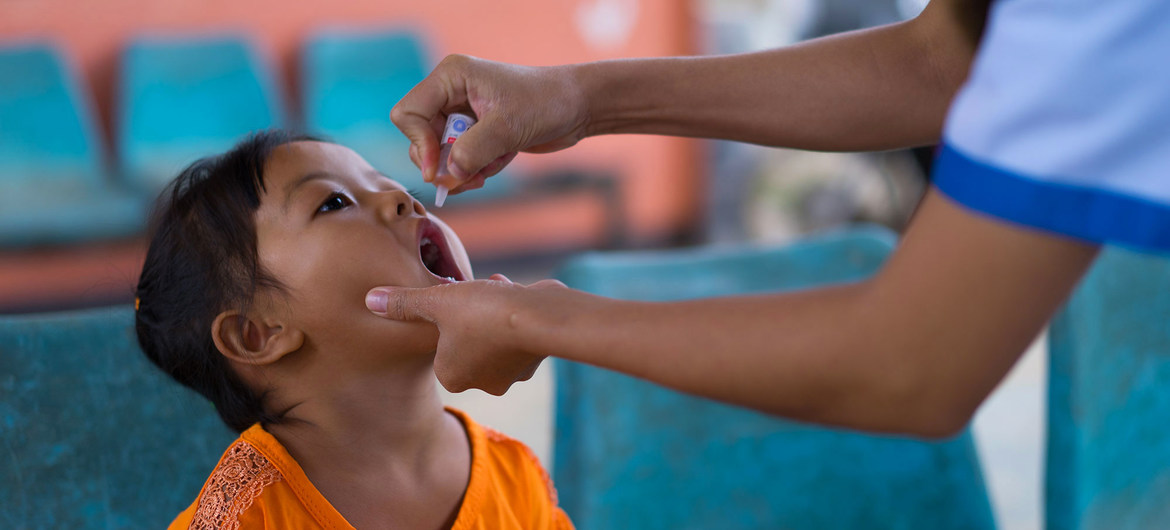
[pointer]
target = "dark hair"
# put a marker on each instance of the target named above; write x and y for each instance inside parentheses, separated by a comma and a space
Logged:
(201, 261)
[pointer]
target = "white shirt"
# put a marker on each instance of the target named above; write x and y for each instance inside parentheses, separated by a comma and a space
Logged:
(1064, 122)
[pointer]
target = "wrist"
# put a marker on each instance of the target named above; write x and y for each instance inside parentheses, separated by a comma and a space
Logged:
(573, 91)
(548, 322)
(584, 82)
(605, 92)
(633, 96)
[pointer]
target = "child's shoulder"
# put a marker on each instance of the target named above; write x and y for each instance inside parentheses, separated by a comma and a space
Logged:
(510, 451)
(499, 448)
(257, 484)
(508, 483)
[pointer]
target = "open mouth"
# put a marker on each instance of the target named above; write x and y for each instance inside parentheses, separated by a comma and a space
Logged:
(436, 254)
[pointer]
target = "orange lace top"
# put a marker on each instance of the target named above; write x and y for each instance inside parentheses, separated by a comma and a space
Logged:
(258, 485)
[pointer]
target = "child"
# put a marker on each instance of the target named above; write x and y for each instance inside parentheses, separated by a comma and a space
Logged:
(253, 295)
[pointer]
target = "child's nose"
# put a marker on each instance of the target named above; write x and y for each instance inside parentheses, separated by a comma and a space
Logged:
(399, 203)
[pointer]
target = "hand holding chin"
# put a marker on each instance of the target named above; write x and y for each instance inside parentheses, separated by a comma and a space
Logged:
(478, 344)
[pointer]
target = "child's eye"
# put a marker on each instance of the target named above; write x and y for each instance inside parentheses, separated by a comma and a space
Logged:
(335, 201)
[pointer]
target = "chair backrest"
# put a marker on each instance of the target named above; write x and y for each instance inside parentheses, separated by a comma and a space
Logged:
(351, 80)
(183, 99)
(629, 454)
(1108, 459)
(95, 436)
(47, 134)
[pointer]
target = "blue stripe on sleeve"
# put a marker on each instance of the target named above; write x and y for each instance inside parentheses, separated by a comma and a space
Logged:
(1085, 213)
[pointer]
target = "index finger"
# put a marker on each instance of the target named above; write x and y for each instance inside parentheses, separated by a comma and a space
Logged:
(403, 303)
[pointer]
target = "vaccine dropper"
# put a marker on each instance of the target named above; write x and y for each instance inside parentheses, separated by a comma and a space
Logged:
(457, 124)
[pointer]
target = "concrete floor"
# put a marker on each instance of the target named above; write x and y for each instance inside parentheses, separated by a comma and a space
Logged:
(1010, 430)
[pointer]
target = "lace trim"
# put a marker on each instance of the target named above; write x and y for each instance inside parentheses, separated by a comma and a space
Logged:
(234, 485)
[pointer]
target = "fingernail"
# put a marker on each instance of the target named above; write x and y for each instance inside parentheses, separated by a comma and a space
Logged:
(456, 171)
(376, 300)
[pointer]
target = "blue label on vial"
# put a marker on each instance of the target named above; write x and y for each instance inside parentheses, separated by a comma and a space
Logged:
(459, 125)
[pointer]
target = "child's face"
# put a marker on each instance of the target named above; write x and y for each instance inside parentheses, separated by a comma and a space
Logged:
(330, 227)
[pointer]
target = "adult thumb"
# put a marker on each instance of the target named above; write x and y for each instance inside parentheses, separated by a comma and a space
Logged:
(482, 144)
(401, 303)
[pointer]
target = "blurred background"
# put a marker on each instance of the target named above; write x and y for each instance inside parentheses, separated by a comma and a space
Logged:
(102, 102)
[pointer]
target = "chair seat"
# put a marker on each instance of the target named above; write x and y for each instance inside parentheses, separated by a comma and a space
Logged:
(56, 214)
(159, 162)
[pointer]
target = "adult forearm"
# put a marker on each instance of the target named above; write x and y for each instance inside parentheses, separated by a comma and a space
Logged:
(915, 349)
(807, 355)
(879, 88)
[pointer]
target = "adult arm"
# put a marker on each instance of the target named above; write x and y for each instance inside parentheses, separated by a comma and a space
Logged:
(913, 350)
(879, 88)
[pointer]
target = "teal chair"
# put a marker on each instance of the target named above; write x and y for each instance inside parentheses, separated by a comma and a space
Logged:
(630, 454)
(183, 99)
(53, 185)
(351, 80)
(94, 435)
(1108, 458)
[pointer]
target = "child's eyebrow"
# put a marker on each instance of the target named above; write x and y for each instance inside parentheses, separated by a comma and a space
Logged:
(293, 187)
(296, 185)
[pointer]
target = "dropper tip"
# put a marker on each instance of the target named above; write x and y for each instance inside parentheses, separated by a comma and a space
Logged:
(440, 195)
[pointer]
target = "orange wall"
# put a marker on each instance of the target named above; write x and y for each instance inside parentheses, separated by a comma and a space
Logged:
(661, 177)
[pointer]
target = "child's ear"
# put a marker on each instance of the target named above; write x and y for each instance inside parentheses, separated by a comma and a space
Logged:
(253, 341)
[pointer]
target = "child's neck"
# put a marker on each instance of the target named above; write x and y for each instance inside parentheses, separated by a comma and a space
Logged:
(380, 435)
(371, 416)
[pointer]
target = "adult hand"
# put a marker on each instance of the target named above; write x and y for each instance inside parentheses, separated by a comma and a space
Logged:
(477, 347)
(518, 108)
